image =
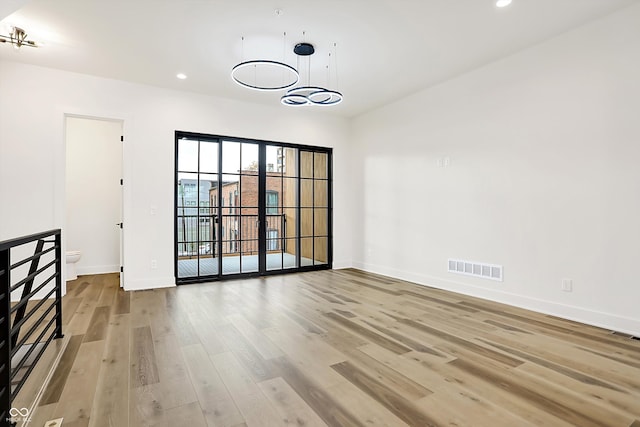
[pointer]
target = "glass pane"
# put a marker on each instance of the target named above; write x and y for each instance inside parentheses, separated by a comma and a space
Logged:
(274, 245)
(230, 194)
(208, 198)
(249, 158)
(249, 224)
(290, 223)
(249, 191)
(273, 198)
(320, 165)
(229, 230)
(272, 201)
(306, 251)
(275, 226)
(306, 193)
(249, 247)
(274, 160)
(288, 161)
(320, 225)
(187, 155)
(321, 249)
(274, 259)
(207, 186)
(290, 192)
(306, 222)
(207, 261)
(187, 217)
(206, 229)
(321, 193)
(306, 164)
(230, 157)
(274, 183)
(231, 264)
(208, 157)
(187, 189)
(249, 263)
(187, 266)
(289, 253)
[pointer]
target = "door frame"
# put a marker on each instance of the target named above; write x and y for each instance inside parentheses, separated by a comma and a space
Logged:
(262, 174)
(125, 173)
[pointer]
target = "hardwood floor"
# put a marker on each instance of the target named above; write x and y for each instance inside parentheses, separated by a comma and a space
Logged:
(336, 348)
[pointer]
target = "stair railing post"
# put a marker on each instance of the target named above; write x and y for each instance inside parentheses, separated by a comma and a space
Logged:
(5, 337)
(59, 278)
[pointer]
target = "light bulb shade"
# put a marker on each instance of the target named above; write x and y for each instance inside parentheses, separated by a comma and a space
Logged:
(265, 75)
(311, 95)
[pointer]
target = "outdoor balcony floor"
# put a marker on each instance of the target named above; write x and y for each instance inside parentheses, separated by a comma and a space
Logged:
(238, 264)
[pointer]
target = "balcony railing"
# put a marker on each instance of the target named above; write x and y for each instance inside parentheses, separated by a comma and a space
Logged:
(199, 233)
(27, 325)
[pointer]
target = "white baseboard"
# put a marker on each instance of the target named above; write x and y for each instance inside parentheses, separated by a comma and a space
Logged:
(577, 314)
(338, 265)
(145, 284)
(97, 269)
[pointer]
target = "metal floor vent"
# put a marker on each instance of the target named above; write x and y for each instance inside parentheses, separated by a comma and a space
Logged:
(476, 269)
(622, 334)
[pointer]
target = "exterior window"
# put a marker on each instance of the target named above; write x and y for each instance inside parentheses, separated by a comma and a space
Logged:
(272, 202)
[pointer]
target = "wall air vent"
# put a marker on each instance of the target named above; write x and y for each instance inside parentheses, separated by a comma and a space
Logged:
(476, 269)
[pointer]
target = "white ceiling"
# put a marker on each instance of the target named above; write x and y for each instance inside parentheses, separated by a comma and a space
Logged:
(386, 49)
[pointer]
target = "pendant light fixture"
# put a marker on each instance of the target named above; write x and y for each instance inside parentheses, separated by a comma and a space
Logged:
(271, 75)
(262, 74)
(18, 38)
(309, 95)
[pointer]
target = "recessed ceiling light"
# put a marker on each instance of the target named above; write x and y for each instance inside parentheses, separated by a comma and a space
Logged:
(503, 3)
(181, 76)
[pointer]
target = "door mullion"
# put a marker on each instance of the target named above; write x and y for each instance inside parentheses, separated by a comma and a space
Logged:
(262, 208)
(299, 211)
(218, 236)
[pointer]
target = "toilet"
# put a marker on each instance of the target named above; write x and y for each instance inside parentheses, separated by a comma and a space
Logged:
(72, 258)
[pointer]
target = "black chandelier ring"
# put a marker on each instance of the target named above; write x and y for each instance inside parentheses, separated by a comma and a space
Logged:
(325, 97)
(311, 95)
(267, 63)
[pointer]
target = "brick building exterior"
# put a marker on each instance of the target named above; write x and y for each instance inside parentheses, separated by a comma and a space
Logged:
(238, 227)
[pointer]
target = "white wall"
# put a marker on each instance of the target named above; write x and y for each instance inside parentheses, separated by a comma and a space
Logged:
(544, 178)
(32, 107)
(7, 7)
(93, 193)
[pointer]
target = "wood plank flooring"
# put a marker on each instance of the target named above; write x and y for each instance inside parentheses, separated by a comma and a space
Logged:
(330, 348)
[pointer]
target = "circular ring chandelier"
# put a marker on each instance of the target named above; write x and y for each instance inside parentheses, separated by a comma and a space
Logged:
(294, 77)
(271, 75)
(311, 95)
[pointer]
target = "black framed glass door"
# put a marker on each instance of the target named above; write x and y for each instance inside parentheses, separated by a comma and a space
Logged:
(247, 207)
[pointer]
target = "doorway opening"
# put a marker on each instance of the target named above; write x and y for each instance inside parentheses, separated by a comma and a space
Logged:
(248, 207)
(93, 192)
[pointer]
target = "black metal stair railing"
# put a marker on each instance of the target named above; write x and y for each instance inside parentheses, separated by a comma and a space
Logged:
(27, 329)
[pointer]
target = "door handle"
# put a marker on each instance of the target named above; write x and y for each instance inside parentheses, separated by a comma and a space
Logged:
(119, 224)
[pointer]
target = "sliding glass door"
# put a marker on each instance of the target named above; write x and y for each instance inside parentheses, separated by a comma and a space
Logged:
(246, 207)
